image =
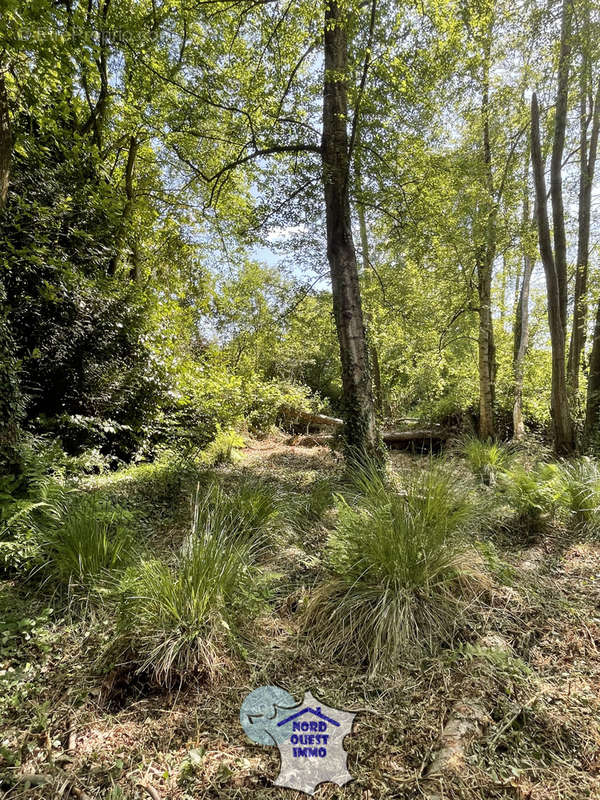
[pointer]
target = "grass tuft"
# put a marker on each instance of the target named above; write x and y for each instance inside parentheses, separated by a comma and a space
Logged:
(400, 568)
(223, 449)
(178, 621)
(250, 511)
(485, 459)
(91, 538)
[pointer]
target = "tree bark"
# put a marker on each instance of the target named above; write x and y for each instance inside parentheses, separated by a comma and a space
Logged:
(521, 328)
(558, 146)
(592, 410)
(521, 345)
(564, 442)
(360, 428)
(588, 151)
(486, 253)
(96, 119)
(555, 262)
(367, 269)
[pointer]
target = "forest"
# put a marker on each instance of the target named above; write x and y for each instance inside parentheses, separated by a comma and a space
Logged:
(299, 398)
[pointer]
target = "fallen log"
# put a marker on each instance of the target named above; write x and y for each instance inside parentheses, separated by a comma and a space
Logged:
(419, 437)
(467, 722)
(310, 419)
(414, 433)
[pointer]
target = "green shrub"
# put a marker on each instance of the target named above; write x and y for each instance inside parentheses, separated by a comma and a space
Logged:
(157, 493)
(265, 399)
(223, 449)
(580, 483)
(24, 516)
(485, 459)
(178, 621)
(533, 493)
(399, 566)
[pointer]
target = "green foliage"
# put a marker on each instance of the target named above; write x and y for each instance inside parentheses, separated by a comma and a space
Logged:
(66, 538)
(27, 637)
(314, 502)
(247, 512)
(25, 512)
(400, 568)
(485, 459)
(258, 505)
(150, 487)
(533, 492)
(580, 483)
(90, 539)
(223, 449)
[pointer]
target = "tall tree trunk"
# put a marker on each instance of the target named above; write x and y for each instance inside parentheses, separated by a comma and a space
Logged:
(592, 410)
(96, 119)
(521, 345)
(11, 400)
(360, 429)
(558, 146)
(487, 352)
(367, 269)
(485, 260)
(587, 160)
(521, 327)
(555, 263)
(126, 217)
(564, 442)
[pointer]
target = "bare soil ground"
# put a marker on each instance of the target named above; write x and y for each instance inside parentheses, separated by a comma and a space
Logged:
(540, 740)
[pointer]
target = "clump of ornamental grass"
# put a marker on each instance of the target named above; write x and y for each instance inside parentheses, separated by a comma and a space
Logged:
(183, 619)
(400, 569)
(92, 539)
(580, 495)
(486, 459)
(305, 508)
(318, 499)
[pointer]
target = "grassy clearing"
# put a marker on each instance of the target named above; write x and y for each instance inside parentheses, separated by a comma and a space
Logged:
(206, 611)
